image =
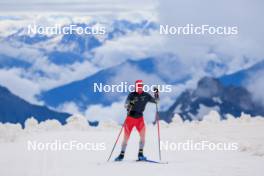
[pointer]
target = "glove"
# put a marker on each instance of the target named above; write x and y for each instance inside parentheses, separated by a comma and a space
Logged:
(130, 105)
(156, 93)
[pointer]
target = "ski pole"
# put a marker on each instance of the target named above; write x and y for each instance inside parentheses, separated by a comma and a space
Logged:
(158, 126)
(156, 95)
(116, 142)
(130, 108)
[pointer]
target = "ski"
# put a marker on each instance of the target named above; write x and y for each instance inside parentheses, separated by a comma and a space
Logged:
(129, 161)
(152, 161)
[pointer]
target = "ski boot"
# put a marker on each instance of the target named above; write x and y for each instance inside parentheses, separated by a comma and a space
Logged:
(120, 156)
(141, 157)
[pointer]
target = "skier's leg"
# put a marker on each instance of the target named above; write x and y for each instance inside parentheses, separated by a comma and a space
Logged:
(128, 126)
(127, 131)
(142, 133)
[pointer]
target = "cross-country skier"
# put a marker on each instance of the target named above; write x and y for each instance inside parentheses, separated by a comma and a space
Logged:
(135, 105)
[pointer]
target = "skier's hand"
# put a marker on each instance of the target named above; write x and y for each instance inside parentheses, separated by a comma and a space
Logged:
(156, 94)
(132, 103)
(129, 105)
(128, 108)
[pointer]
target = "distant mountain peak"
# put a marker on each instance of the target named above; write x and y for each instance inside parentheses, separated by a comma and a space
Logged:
(211, 94)
(208, 87)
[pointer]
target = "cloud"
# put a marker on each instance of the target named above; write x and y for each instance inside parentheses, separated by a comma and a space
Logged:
(194, 53)
(132, 46)
(237, 52)
(42, 74)
(190, 54)
(28, 83)
(14, 81)
(172, 68)
(60, 75)
(20, 51)
(98, 112)
(129, 73)
(116, 112)
(255, 85)
(69, 107)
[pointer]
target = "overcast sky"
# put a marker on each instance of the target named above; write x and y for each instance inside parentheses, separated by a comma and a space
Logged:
(75, 6)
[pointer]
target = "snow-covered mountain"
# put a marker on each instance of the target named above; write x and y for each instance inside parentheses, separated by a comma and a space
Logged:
(43, 59)
(50, 61)
(227, 94)
(63, 49)
(82, 92)
(211, 94)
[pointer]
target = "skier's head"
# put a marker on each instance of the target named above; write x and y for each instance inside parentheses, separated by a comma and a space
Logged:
(139, 86)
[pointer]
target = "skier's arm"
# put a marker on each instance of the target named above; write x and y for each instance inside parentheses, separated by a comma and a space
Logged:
(154, 99)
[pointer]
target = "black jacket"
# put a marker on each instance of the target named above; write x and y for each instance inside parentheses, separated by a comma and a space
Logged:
(136, 103)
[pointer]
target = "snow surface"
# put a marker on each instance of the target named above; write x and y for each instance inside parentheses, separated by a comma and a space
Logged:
(248, 132)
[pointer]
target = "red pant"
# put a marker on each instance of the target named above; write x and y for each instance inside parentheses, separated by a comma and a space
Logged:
(129, 124)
